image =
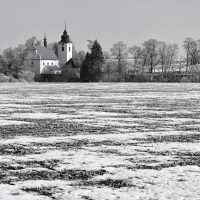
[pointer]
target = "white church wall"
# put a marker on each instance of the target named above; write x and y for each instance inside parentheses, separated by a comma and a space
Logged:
(49, 62)
(44, 63)
(65, 55)
(69, 51)
(57, 63)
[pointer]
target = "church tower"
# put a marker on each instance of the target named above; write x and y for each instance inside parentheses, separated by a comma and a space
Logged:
(64, 48)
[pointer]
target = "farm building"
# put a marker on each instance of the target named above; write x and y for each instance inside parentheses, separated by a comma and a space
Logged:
(45, 62)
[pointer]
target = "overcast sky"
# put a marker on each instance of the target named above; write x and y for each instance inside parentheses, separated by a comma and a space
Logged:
(108, 21)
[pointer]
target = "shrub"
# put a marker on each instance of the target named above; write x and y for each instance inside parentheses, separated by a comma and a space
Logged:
(163, 79)
(9, 78)
(194, 78)
(184, 80)
(12, 79)
(4, 78)
(112, 77)
(26, 75)
(142, 77)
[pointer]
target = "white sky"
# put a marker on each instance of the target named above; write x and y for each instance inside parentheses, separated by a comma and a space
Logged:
(108, 21)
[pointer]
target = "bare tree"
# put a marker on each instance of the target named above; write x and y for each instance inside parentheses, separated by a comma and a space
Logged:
(78, 58)
(180, 61)
(173, 49)
(168, 55)
(106, 55)
(21, 52)
(150, 53)
(136, 52)
(162, 50)
(192, 49)
(33, 41)
(186, 44)
(119, 51)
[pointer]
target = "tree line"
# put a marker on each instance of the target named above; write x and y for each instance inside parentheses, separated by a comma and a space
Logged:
(151, 61)
(12, 67)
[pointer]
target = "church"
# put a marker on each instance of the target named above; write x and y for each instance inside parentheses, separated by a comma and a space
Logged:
(45, 62)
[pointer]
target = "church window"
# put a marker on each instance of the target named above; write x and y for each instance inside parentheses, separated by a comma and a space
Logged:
(47, 63)
(43, 63)
(62, 48)
(69, 48)
(52, 63)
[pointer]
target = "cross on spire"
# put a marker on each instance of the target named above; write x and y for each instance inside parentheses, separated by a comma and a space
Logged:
(65, 25)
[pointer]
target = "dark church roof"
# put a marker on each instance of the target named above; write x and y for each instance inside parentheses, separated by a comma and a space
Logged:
(69, 64)
(49, 69)
(65, 38)
(52, 67)
(45, 53)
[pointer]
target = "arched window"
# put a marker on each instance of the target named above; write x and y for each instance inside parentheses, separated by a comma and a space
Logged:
(52, 63)
(43, 63)
(62, 48)
(47, 63)
(69, 48)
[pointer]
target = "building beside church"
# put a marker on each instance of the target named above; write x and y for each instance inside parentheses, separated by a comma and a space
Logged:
(45, 62)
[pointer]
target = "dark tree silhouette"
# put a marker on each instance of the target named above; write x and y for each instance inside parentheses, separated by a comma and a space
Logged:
(84, 75)
(96, 62)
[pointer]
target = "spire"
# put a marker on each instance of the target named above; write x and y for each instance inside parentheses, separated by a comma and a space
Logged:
(65, 36)
(45, 40)
(65, 32)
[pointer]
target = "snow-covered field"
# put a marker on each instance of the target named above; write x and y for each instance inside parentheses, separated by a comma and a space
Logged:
(75, 141)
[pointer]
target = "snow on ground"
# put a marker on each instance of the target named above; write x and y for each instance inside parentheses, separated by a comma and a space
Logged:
(99, 141)
(38, 115)
(11, 122)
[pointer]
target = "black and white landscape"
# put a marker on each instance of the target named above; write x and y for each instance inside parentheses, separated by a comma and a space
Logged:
(99, 100)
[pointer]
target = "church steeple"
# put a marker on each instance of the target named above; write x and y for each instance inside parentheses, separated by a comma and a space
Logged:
(65, 36)
(64, 48)
(45, 40)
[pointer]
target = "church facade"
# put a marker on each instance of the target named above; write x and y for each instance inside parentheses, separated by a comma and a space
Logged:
(44, 61)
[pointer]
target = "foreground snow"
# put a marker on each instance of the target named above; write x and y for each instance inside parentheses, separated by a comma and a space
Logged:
(99, 141)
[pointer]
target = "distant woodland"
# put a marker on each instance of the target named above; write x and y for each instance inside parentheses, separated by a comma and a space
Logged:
(152, 61)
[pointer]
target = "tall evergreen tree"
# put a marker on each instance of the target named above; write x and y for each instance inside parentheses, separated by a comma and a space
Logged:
(96, 52)
(84, 75)
(96, 61)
